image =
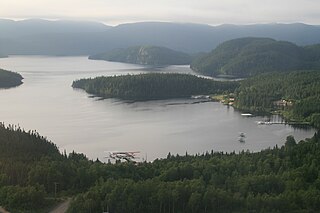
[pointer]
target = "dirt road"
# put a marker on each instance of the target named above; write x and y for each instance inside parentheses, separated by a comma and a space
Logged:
(62, 207)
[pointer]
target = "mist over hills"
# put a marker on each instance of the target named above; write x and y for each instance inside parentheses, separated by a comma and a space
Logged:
(146, 55)
(10, 28)
(36, 36)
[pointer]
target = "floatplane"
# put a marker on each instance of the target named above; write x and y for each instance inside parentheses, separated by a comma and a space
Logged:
(128, 156)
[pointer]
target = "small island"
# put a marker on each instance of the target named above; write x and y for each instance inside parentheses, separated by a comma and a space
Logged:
(9, 79)
(153, 86)
(145, 55)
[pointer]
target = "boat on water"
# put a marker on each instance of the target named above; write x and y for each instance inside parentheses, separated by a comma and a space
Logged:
(200, 97)
(246, 114)
(241, 140)
(242, 134)
(242, 137)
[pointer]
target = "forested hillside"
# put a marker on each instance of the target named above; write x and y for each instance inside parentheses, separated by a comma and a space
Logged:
(9, 79)
(298, 91)
(252, 56)
(153, 86)
(146, 55)
(20, 188)
(281, 179)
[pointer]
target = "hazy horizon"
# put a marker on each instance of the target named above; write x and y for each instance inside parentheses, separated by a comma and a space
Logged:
(209, 12)
(133, 22)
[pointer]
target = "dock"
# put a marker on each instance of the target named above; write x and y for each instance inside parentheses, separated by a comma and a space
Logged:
(281, 122)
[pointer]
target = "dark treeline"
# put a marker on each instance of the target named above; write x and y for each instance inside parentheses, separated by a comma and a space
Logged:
(30, 165)
(153, 86)
(9, 79)
(300, 90)
(20, 152)
(284, 179)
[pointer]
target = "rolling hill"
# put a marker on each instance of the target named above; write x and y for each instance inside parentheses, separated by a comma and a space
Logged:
(146, 55)
(87, 38)
(246, 57)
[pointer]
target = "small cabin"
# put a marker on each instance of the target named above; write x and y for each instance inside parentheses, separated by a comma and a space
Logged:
(282, 103)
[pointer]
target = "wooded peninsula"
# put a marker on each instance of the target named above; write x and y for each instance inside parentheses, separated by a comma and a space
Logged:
(294, 95)
(9, 79)
(153, 86)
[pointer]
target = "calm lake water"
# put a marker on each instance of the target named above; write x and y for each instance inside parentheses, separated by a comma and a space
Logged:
(74, 120)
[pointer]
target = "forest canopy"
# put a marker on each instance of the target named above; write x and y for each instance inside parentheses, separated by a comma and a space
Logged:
(245, 57)
(296, 94)
(279, 179)
(153, 86)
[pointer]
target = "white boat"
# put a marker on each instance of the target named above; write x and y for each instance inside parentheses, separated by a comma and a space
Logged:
(246, 114)
(241, 140)
(200, 97)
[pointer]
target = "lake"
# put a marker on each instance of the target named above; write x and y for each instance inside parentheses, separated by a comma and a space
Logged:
(74, 120)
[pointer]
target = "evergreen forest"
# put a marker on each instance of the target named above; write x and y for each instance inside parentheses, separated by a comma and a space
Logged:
(278, 179)
(245, 57)
(153, 86)
(299, 92)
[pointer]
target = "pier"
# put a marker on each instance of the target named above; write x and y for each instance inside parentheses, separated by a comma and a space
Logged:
(282, 122)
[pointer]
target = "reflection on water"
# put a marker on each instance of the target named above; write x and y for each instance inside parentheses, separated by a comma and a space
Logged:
(77, 121)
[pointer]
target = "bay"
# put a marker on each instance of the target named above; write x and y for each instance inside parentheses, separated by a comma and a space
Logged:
(74, 120)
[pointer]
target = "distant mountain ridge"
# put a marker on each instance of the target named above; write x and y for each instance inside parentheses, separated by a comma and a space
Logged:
(10, 28)
(146, 55)
(88, 38)
(246, 57)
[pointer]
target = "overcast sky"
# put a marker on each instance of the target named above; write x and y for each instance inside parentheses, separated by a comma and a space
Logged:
(212, 12)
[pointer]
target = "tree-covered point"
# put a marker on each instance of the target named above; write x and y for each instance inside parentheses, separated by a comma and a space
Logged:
(153, 86)
(146, 55)
(246, 57)
(297, 94)
(9, 79)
